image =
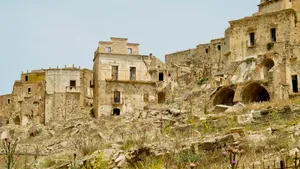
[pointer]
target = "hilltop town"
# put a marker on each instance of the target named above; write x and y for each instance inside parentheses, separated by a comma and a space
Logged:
(134, 111)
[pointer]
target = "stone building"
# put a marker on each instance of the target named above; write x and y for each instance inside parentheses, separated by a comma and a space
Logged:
(46, 95)
(257, 60)
(124, 80)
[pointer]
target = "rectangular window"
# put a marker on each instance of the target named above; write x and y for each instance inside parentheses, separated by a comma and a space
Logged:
(117, 97)
(252, 39)
(219, 47)
(206, 50)
(295, 83)
(29, 90)
(8, 101)
(129, 51)
(132, 73)
(72, 84)
(108, 49)
(273, 34)
(114, 73)
(26, 78)
(161, 76)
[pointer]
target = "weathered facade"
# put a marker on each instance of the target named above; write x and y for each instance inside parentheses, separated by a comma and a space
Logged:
(124, 80)
(43, 96)
(255, 61)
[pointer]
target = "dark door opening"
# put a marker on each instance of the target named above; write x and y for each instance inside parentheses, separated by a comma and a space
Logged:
(132, 73)
(295, 83)
(116, 112)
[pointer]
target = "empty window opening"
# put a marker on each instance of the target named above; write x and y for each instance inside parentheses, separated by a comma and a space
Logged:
(254, 92)
(267, 66)
(161, 76)
(91, 84)
(29, 90)
(26, 78)
(8, 101)
(72, 84)
(117, 97)
(146, 97)
(291, 53)
(114, 73)
(273, 34)
(206, 50)
(224, 97)
(132, 73)
(161, 97)
(219, 47)
(129, 50)
(252, 39)
(108, 49)
(295, 83)
(116, 112)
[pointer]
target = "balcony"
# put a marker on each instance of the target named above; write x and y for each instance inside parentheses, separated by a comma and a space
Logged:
(73, 89)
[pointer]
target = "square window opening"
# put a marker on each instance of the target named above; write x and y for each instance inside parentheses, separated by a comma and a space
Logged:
(273, 34)
(108, 49)
(252, 39)
(129, 51)
(161, 76)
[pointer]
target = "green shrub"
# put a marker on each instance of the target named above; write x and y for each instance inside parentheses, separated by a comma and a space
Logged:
(202, 81)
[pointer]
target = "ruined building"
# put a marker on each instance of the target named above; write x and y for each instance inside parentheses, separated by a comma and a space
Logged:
(257, 60)
(46, 95)
(124, 80)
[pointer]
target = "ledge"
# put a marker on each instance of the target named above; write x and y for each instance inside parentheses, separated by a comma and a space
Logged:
(130, 81)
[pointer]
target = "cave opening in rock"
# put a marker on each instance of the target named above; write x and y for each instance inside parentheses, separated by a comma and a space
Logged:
(254, 92)
(224, 97)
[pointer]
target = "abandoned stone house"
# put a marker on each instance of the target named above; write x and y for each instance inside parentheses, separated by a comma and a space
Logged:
(257, 60)
(124, 80)
(46, 95)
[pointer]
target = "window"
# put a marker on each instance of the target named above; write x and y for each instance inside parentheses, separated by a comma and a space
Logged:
(26, 78)
(146, 97)
(72, 84)
(291, 53)
(132, 73)
(252, 39)
(114, 73)
(295, 83)
(8, 101)
(129, 51)
(29, 90)
(206, 50)
(161, 76)
(117, 97)
(219, 47)
(273, 34)
(108, 49)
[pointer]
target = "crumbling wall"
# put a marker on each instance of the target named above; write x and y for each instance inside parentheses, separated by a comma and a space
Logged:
(133, 96)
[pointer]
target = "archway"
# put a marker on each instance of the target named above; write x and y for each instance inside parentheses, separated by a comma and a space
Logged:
(267, 66)
(116, 112)
(254, 92)
(224, 96)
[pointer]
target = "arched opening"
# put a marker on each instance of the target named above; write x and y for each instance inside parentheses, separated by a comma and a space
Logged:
(17, 120)
(161, 97)
(267, 66)
(254, 92)
(224, 97)
(116, 112)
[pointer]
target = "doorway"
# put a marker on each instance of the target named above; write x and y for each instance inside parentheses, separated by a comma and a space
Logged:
(295, 83)
(116, 112)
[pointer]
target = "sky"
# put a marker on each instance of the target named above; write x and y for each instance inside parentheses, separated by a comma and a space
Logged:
(37, 34)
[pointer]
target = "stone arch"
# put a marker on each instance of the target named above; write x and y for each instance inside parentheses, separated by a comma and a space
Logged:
(224, 96)
(254, 92)
(267, 64)
(116, 112)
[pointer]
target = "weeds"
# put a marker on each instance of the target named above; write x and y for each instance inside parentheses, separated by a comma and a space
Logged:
(9, 149)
